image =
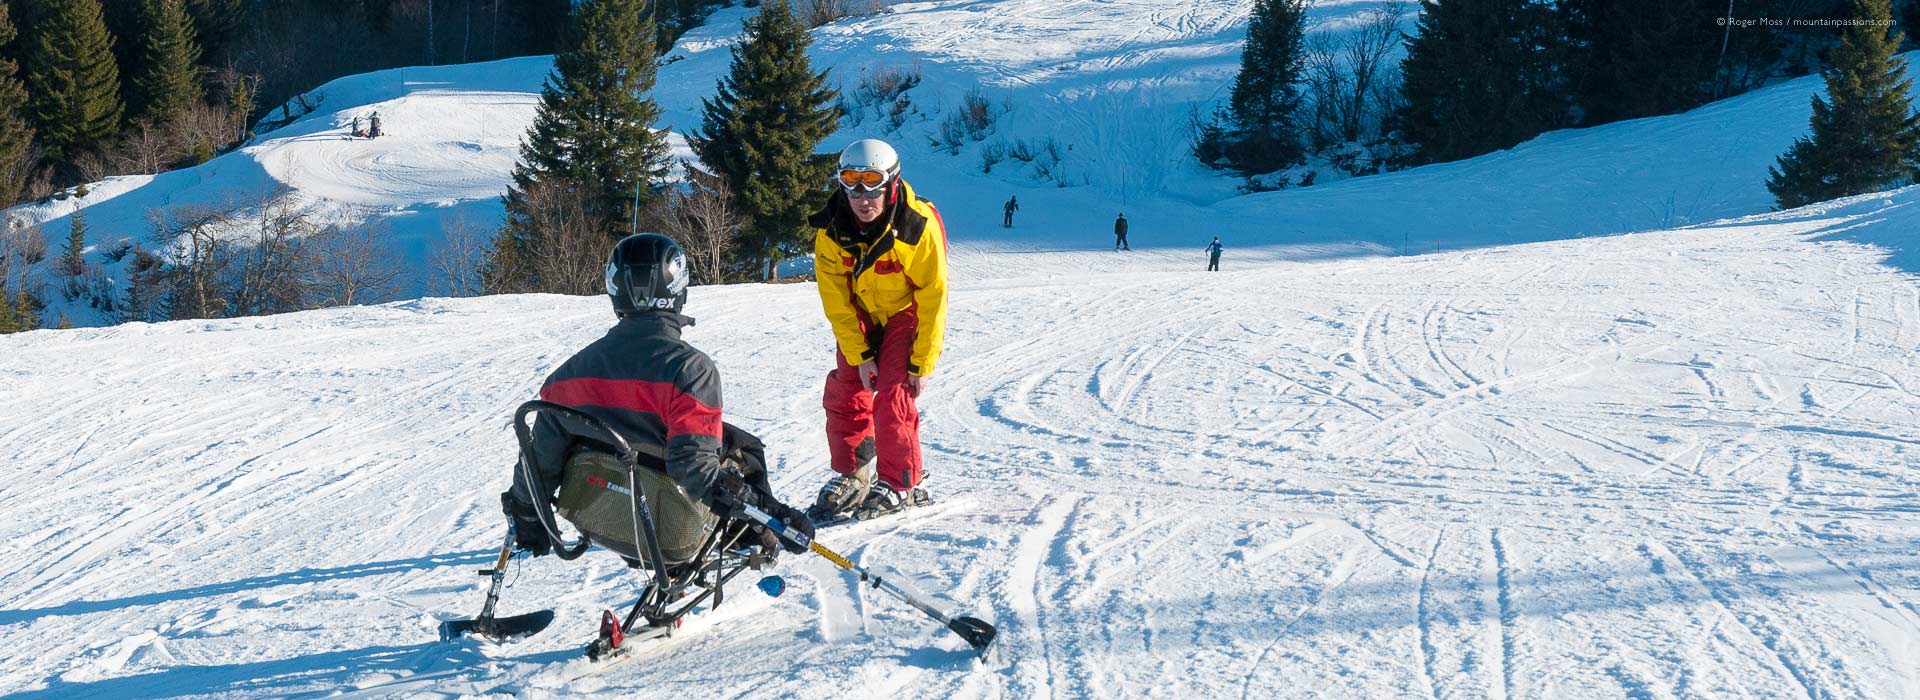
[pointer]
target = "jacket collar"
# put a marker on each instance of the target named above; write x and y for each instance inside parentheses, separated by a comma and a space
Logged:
(652, 323)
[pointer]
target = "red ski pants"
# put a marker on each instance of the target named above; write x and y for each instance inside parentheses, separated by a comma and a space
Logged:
(887, 414)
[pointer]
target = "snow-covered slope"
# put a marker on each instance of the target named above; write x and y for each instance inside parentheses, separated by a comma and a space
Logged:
(1680, 464)
(454, 135)
(1112, 82)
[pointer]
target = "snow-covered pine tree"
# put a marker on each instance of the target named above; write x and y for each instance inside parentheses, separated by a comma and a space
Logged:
(761, 128)
(1865, 135)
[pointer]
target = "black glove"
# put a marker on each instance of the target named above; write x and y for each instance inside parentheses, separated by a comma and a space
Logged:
(730, 495)
(795, 520)
(528, 533)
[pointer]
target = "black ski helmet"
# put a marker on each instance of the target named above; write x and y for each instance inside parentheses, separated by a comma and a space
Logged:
(647, 272)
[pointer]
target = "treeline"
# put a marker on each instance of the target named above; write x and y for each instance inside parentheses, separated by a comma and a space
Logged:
(90, 89)
(1477, 76)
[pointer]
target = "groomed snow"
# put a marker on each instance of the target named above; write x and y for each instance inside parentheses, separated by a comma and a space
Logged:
(1673, 464)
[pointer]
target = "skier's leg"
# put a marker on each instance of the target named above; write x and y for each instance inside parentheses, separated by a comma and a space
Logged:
(849, 409)
(896, 417)
(849, 415)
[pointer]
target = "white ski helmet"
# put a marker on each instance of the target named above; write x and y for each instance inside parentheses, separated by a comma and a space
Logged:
(868, 156)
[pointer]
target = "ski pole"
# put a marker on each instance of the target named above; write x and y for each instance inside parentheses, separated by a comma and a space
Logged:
(975, 631)
(497, 628)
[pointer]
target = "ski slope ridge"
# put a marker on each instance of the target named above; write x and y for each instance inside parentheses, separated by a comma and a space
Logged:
(1678, 464)
(1113, 83)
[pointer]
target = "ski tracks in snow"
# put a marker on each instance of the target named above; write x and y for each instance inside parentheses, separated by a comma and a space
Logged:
(1454, 476)
(1035, 673)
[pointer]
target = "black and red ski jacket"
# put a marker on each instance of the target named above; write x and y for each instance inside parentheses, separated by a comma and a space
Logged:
(651, 387)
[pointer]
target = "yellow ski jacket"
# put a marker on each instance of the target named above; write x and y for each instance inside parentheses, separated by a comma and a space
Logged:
(867, 275)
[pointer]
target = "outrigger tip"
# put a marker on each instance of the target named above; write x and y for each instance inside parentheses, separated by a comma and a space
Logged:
(976, 631)
(497, 629)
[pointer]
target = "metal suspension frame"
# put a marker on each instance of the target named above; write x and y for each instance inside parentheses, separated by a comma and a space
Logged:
(663, 601)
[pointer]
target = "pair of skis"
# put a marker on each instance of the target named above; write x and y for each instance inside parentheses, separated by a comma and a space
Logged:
(976, 632)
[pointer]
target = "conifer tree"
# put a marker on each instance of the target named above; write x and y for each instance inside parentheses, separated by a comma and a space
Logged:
(1865, 136)
(1910, 18)
(65, 324)
(1263, 133)
(72, 83)
(26, 314)
(73, 259)
(7, 324)
(165, 83)
(760, 130)
(594, 125)
(16, 139)
(1478, 77)
(592, 158)
(72, 80)
(215, 21)
(240, 107)
(1640, 58)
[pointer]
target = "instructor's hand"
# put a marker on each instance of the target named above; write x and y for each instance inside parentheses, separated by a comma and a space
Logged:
(867, 372)
(915, 385)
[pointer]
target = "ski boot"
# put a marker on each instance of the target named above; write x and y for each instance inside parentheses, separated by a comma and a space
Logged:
(882, 501)
(845, 492)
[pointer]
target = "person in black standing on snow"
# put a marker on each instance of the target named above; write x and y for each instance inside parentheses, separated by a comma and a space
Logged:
(1213, 255)
(1013, 205)
(1120, 233)
(373, 126)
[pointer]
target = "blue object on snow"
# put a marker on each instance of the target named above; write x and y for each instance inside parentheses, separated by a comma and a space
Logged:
(773, 586)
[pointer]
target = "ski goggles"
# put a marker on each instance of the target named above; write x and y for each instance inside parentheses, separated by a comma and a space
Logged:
(863, 184)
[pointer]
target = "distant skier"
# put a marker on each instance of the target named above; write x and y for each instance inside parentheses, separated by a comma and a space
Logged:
(652, 388)
(373, 123)
(356, 133)
(1213, 255)
(1013, 205)
(880, 257)
(1120, 233)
